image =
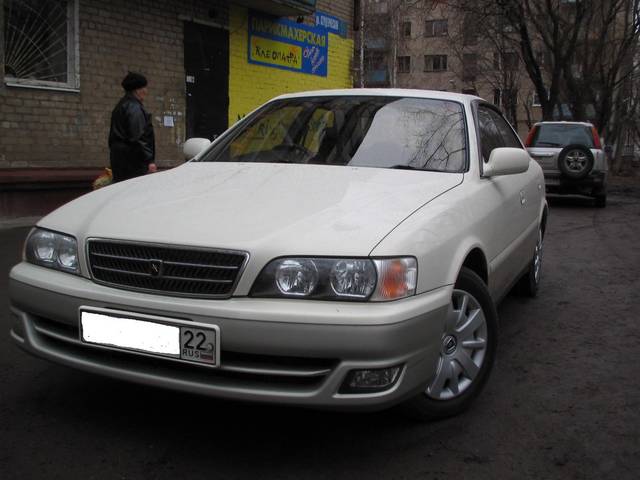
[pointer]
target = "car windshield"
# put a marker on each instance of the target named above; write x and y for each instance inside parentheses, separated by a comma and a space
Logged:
(387, 132)
(559, 135)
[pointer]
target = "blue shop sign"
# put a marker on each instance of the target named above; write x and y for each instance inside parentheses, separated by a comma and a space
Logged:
(282, 43)
(331, 23)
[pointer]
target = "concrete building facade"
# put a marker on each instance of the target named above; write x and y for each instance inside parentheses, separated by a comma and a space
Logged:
(430, 45)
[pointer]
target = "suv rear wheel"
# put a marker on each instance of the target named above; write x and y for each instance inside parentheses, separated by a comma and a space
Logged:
(575, 161)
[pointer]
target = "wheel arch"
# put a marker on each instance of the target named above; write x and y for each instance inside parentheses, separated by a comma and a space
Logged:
(476, 261)
(543, 218)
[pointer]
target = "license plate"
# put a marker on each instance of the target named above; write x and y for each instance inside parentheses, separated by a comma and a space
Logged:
(151, 335)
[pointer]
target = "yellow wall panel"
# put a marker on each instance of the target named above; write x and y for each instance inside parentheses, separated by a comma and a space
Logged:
(251, 85)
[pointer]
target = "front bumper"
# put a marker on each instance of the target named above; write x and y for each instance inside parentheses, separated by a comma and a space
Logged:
(280, 351)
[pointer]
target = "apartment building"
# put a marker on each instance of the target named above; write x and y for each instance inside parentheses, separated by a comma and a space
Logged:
(431, 45)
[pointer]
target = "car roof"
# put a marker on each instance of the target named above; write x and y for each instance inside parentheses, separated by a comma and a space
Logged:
(384, 92)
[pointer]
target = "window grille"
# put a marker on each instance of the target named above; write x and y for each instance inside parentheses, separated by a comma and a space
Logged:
(40, 43)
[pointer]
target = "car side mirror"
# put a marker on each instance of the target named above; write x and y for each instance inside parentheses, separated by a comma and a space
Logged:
(506, 161)
(194, 146)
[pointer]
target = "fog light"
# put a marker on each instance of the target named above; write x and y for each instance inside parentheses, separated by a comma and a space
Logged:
(370, 380)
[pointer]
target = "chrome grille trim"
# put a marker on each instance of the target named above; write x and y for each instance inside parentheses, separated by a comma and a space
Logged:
(182, 270)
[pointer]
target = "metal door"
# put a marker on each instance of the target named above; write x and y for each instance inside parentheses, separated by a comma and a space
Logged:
(206, 64)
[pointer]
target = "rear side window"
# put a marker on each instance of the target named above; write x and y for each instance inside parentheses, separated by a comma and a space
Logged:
(559, 135)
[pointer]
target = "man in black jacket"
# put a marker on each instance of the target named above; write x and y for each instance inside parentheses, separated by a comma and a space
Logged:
(131, 140)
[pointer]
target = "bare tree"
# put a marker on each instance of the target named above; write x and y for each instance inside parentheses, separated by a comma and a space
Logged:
(577, 54)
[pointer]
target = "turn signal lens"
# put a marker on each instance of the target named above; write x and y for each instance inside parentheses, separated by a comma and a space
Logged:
(397, 278)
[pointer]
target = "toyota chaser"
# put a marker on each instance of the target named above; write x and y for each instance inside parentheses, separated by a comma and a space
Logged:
(334, 249)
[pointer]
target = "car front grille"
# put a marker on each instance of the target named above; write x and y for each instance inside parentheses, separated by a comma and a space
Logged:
(165, 269)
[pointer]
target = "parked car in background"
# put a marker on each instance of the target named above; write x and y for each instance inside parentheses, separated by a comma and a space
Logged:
(334, 249)
(571, 157)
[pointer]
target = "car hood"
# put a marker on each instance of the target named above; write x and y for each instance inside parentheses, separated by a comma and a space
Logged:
(277, 209)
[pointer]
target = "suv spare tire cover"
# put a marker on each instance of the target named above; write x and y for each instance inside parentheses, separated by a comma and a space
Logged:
(575, 161)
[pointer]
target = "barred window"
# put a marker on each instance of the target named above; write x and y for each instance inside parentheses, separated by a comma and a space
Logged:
(40, 43)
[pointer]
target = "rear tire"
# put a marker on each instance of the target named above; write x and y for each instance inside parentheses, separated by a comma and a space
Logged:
(469, 342)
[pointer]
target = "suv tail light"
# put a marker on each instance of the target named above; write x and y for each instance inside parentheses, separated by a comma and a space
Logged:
(596, 138)
(529, 140)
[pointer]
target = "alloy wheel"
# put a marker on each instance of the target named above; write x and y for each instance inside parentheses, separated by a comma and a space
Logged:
(576, 160)
(537, 258)
(464, 345)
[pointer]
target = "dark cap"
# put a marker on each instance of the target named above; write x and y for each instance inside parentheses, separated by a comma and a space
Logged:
(133, 81)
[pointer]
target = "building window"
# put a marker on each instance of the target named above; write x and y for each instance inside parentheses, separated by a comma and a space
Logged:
(469, 30)
(469, 67)
(435, 63)
(41, 43)
(404, 64)
(436, 28)
(406, 29)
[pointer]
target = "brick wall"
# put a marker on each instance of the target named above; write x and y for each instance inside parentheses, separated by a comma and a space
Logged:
(44, 128)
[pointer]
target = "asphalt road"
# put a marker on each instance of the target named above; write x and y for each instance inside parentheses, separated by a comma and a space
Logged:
(563, 400)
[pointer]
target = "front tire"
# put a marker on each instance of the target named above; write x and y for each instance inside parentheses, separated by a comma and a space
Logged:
(468, 350)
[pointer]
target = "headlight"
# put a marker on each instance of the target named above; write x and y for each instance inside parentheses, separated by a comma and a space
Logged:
(53, 250)
(358, 279)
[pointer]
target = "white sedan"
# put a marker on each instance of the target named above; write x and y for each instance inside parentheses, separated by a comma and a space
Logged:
(338, 249)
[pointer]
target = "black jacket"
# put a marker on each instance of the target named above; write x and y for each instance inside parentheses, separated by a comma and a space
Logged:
(131, 140)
